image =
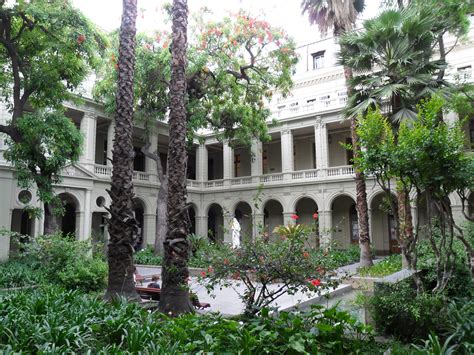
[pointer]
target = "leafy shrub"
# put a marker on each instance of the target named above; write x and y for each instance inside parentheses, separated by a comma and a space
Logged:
(460, 282)
(146, 257)
(387, 266)
(399, 311)
(18, 274)
(51, 320)
(67, 262)
(259, 263)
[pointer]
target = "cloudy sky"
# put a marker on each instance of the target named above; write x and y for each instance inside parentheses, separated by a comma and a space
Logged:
(282, 13)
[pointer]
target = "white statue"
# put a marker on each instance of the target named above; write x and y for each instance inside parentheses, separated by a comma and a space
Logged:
(235, 227)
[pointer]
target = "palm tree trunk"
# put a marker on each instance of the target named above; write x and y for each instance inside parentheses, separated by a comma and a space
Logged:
(174, 299)
(123, 227)
(361, 193)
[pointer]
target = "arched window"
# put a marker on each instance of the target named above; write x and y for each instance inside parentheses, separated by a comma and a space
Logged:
(354, 222)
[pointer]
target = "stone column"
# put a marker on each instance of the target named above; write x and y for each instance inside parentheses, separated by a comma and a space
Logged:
(201, 226)
(287, 218)
(88, 130)
(80, 224)
(227, 230)
(201, 163)
(110, 141)
(287, 163)
(85, 233)
(321, 145)
(149, 229)
(256, 158)
(228, 153)
(150, 164)
(325, 227)
(257, 224)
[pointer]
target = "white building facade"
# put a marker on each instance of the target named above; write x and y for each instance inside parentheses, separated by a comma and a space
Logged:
(304, 169)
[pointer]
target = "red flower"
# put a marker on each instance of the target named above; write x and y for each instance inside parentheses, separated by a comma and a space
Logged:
(315, 216)
(209, 269)
(226, 261)
(294, 216)
(80, 39)
(306, 255)
(203, 273)
(316, 282)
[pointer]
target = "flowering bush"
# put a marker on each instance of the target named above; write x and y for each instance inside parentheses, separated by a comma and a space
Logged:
(269, 270)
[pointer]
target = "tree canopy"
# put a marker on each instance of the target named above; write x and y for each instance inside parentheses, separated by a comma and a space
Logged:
(47, 49)
(234, 65)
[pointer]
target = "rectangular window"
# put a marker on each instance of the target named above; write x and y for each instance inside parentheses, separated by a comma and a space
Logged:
(318, 60)
(236, 165)
(465, 73)
(139, 160)
(265, 162)
(325, 100)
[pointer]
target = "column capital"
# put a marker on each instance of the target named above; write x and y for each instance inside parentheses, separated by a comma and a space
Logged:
(92, 115)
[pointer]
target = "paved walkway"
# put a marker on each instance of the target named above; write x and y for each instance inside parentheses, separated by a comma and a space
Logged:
(228, 302)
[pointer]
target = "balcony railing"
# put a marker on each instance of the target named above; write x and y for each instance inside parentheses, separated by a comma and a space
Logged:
(340, 170)
(334, 101)
(106, 171)
(241, 180)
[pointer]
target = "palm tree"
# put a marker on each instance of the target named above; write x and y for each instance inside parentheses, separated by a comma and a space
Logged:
(123, 228)
(391, 60)
(340, 16)
(174, 297)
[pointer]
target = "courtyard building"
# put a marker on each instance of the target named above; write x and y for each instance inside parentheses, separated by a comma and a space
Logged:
(304, 169)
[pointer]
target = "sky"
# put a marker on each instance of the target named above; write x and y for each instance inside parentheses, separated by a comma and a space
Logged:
(282, 13)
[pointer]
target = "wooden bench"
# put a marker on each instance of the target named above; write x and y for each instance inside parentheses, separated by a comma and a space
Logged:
(155, 293)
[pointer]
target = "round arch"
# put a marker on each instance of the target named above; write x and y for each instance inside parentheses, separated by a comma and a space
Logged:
(382, 227)
(139, 209)
(243, 212)
(192, 212)
(68, 223)
(294, 203)
(272, 215)
(344, 221)
(215, 223)
(271, 198)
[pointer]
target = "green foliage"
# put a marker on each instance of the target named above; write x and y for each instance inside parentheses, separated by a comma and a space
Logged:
(67, 262)
(287, 262)
(50, 320)
(399, 311)
(234, 65)
(387, 266)
(146, 257)
(18, 274)
(56, 46)
(49, 142)
(460, 284)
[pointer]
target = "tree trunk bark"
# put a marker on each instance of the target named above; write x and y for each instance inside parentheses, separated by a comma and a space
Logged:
(123, 228)
(161, 214)
(174, 299)
(405, 227)
(361, 193)
(50, 225)
(161, 203)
